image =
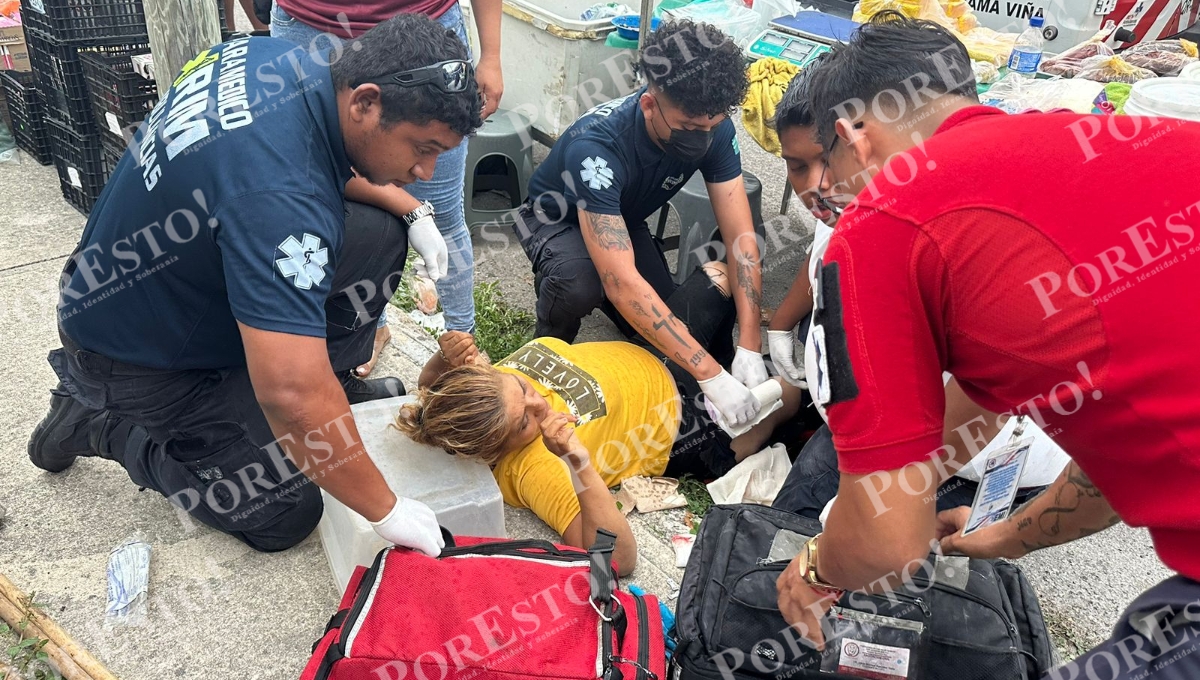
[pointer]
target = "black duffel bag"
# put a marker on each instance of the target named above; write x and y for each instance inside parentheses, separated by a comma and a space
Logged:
(965, 619)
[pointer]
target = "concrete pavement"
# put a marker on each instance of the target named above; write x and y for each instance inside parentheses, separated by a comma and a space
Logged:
(219, 609)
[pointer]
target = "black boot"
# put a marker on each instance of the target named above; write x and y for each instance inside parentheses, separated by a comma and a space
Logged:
(359, 390)
(68, 431)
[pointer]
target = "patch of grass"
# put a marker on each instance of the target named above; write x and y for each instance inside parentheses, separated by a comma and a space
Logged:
(500, 328)
(698, 499)
(26, 658)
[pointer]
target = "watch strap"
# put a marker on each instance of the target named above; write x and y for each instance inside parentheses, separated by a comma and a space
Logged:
(423, 210)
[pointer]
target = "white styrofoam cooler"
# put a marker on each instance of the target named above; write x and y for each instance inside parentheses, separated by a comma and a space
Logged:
(556, 64)
(462, 493)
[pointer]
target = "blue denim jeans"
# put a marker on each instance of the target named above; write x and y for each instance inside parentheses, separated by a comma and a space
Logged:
(444, 190)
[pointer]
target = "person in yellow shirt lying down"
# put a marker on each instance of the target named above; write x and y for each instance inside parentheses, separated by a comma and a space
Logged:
(561, 423)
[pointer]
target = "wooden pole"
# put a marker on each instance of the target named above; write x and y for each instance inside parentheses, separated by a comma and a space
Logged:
(644, 21)
(179, 30)
(51, 631)
(70, 670)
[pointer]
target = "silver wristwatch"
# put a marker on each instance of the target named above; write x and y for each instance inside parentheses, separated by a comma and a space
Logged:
(425, 210)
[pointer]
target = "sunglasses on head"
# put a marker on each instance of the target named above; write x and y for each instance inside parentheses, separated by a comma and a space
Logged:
(448, 76)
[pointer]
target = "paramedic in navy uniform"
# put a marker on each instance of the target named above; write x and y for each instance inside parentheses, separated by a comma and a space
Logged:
(222, 286)
(584, 227)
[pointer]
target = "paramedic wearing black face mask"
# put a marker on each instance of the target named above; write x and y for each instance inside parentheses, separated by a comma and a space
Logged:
(584, 225)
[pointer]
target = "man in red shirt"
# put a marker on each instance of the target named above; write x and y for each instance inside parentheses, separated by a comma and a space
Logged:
(1047, 261)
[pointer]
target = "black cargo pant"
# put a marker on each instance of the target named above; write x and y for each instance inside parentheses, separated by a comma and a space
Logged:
(199, 438)
(568, 286)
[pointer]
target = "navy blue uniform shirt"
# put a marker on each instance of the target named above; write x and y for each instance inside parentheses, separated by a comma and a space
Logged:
(606, 163)
(232, 210)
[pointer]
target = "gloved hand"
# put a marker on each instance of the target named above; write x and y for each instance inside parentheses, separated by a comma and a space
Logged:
(748, 367)
(412, 524)
(783, 353)
(424, 237)
(733, 399)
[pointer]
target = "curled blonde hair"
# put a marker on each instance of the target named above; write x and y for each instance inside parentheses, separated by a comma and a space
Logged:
(461, 412)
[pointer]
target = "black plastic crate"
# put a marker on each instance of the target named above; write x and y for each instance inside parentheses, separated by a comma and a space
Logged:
(120, 96)
(28, 114)
(79, 158)
(59, 69)
(111, 151)
(60, 78)
(92, 22)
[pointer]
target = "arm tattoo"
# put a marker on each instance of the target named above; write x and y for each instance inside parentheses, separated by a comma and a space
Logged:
(611, 279)
(744, 268)
(660, 324)
(610, 231)
(1067, 500)
(667, 324)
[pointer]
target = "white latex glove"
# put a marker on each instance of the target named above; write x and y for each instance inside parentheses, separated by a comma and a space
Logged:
(411, 524)
(734, 400)
(424, 237)
(783, 353)
(748, 367)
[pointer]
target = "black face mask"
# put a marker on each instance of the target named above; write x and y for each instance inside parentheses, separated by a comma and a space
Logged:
(688, 146)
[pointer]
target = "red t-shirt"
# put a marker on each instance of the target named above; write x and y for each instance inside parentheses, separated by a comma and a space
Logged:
(1051, 263)
(361, 16)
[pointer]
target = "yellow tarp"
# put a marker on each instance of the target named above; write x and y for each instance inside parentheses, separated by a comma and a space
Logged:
(769, 78)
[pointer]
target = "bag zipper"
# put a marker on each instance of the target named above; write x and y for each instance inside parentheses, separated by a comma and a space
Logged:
(360, 600)
(518, 549)
(913, 599)
(1012, 628)
(643, 640)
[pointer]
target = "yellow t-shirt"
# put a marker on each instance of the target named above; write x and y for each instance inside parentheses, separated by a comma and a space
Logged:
(628, 408)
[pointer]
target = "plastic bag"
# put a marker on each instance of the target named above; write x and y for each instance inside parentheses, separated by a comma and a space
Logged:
(984, 44)
(770, 10)
(128, 582)
(1179, 46)
(1015, 93)
(1164, 57)
(985, 72)
(1068, 63)
(1114, 69)
(873, 646)
(606, 10)
(1162, 63)
(425, 295)
(739, 22)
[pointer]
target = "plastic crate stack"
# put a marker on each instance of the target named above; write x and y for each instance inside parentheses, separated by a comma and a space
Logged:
(27, 114)
(81, 51)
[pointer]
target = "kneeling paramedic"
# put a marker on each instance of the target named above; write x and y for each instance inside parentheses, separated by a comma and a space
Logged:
(222, 284)
(584, 227)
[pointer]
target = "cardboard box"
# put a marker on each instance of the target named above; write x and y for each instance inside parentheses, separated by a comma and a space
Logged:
(13, 53)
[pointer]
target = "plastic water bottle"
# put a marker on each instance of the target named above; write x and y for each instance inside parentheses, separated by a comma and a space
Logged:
(1027, 51)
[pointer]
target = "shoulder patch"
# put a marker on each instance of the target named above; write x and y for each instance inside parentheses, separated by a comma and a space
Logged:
(596, 173)
(304, 262)
(835, 375)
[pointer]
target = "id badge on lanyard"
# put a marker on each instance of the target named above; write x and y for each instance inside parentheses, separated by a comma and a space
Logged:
(999, 482)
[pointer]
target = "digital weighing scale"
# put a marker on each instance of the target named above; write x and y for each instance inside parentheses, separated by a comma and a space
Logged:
(801, 38)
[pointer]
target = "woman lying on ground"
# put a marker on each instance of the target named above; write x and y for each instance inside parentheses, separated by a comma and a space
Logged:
(560, 423)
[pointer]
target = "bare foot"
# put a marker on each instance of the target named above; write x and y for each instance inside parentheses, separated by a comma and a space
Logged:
(383, 335)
